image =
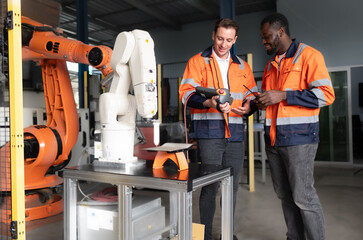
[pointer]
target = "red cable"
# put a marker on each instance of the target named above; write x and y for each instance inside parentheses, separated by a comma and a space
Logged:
(106, 195)
(185, 123)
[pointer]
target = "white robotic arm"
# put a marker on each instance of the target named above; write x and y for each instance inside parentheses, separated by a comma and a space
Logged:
(133, 61)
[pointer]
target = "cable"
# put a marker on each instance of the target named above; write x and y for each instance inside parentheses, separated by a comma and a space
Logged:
(80, 190)
(41, 28)
(97, 201)
(185, 123)
(106, 195)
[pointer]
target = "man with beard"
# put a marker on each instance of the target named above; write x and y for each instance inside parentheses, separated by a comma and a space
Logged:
(296, 84)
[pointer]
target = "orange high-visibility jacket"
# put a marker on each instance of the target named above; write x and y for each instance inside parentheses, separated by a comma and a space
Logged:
(303, 75)
(202, 70)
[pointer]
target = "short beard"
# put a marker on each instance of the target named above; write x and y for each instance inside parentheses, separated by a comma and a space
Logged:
(272, 51)
(276, 43)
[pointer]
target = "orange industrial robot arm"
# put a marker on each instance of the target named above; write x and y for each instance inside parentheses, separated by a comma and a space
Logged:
(50, 145)
(44, 42)
(47, 147)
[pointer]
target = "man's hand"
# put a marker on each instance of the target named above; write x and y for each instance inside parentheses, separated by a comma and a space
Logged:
(212, 102)
(260, 105)
(269, 98)
(243, 110)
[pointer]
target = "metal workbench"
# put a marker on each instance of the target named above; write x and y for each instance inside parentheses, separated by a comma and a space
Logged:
(180, 186)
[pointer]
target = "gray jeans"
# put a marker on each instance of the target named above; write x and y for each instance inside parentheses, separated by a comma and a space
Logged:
(218, 152)
(292, 170)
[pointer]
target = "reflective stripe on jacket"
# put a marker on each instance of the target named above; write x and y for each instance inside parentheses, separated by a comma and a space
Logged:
(202, 70)
(303, 75)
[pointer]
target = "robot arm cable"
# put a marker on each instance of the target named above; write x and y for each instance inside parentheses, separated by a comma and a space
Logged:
(40, 28)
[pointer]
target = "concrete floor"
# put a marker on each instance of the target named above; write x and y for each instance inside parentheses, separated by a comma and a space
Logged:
(258, 214)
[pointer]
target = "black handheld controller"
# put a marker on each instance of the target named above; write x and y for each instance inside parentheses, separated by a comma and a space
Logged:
(223, 93)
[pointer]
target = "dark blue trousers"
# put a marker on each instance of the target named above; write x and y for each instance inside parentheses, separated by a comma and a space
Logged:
(218, 152)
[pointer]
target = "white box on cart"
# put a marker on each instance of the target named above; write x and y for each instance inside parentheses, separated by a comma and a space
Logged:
(101, 222)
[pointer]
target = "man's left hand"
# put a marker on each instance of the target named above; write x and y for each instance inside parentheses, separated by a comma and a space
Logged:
(243, 110)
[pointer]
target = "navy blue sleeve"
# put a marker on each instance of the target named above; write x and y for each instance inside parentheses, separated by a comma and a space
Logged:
(253, 107)
(305, 98)
(196, 101)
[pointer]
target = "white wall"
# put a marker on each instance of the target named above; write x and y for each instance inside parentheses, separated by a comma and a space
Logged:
(33, 99)
(179, 46)
(334, 27)
(250, 41)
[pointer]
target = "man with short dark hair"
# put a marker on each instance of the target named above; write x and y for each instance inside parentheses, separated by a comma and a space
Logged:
(296, 84)
(218, 127)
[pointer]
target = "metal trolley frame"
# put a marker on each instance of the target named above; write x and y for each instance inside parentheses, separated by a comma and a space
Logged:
(145, 177)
